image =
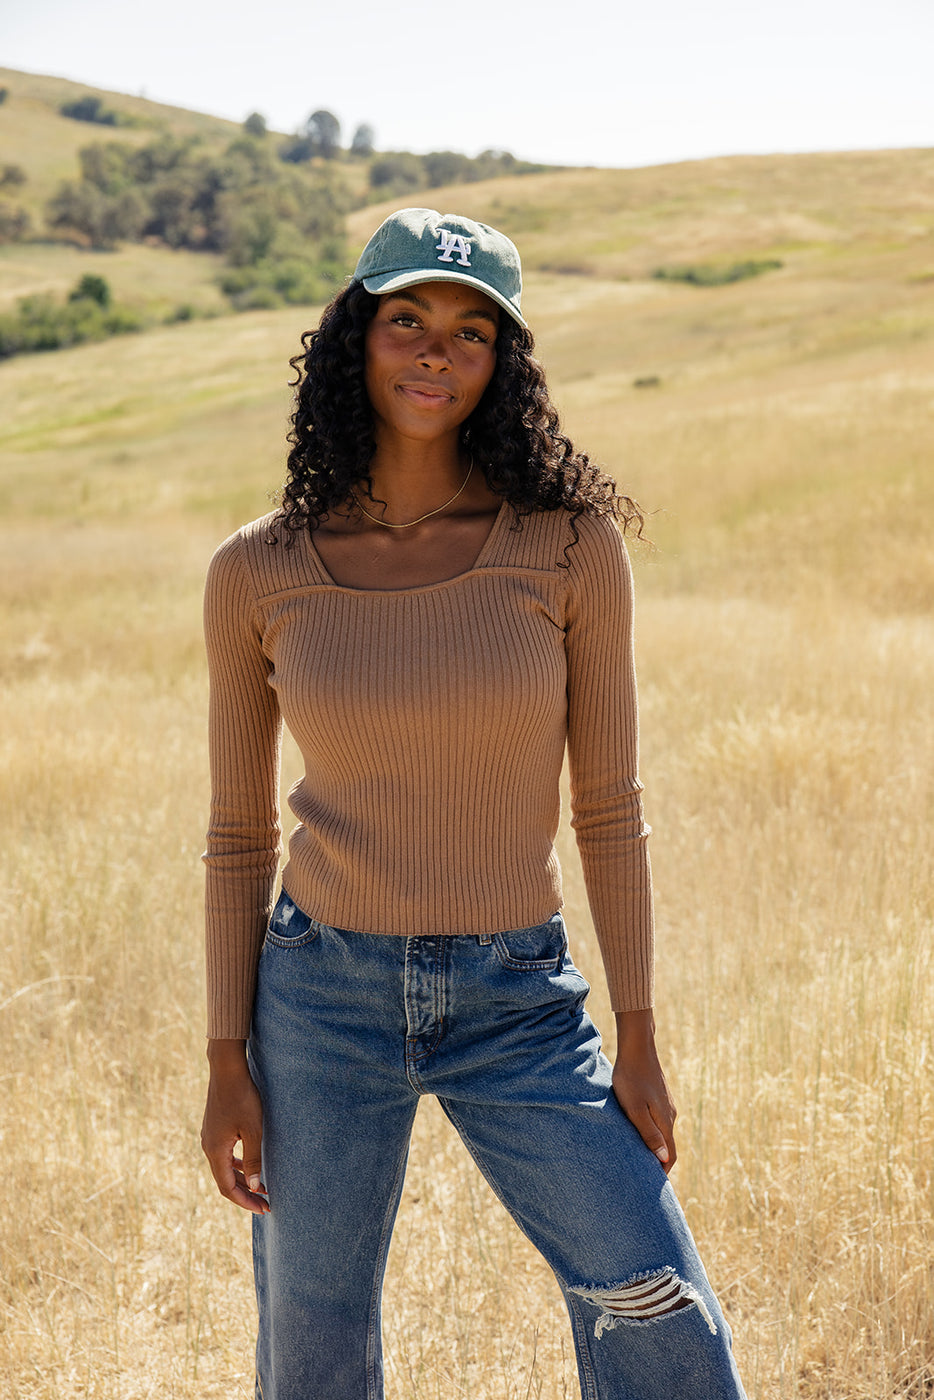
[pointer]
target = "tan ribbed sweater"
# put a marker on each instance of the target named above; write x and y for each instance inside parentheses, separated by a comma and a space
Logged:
(432, 722)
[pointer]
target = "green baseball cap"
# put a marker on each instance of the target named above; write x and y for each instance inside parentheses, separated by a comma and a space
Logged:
(421, 245)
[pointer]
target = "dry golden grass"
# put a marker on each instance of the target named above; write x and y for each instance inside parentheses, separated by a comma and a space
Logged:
(156, 280)
(786, 654)
(623, 223)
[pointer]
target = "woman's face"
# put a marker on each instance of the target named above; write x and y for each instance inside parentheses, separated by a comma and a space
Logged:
(430, 353)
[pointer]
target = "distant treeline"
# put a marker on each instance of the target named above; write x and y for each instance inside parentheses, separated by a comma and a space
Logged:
(244, 201)
(273, 207)
(400, 172)
(281, 233)
(320, 139)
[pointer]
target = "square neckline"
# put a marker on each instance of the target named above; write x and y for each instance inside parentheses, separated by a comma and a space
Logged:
(478, 563)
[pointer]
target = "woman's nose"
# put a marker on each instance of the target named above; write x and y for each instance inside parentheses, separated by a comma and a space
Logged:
(434, 353)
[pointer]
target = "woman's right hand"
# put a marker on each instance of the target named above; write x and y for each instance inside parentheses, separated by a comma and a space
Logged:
(234, 1113)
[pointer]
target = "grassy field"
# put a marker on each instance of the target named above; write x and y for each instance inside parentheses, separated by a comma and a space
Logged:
(786, 659)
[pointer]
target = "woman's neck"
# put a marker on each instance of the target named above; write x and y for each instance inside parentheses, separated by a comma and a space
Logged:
(416, 477)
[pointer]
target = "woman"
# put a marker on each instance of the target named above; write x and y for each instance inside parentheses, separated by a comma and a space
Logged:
(441, 604)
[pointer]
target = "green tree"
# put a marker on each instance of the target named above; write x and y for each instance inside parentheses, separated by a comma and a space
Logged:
(364, 139)
(397, 172)
(447, 167)
(250, 230)
(89, 109)
(91, 288)
(11, 176)
(77, 207)
(147, 163)
(125, 216)
(255, 125)
(502, 163)
(248, 162)
(296, 150)
(281, 231)
(323, 131)
(107, 165)
(80, 207)
(173, 215)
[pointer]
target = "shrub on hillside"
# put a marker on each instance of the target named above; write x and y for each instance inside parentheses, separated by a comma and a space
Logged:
(363, 141)
(240, 202)
(713, 275)
(12, 175)
(284, 220)
(296, 150)
(446, 167)
(15, 223)
(143, 165)
(103, 219)
(43, 323)
(272, 282)
(91, 288)
(90, 109)
(450, 167)
(397, 172)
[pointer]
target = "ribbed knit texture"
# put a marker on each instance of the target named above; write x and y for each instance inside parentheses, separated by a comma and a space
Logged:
(433, 723)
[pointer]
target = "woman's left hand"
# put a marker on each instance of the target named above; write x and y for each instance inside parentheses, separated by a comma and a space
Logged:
(640, 1087)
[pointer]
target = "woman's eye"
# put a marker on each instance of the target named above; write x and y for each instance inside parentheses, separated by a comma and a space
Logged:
(408, 320)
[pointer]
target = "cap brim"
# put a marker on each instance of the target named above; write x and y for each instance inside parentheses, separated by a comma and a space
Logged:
(395, 281)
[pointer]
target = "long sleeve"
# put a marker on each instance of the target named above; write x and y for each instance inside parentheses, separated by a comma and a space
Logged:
(244, 834)
(603, 755)
(432, 724)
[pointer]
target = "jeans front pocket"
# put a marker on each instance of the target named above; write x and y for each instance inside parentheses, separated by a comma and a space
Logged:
(538, 949)
(290, 927)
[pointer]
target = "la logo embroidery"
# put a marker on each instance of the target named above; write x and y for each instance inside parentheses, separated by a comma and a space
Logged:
(452, 243)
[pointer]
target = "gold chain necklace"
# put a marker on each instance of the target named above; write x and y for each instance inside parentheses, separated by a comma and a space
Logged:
(406, 524)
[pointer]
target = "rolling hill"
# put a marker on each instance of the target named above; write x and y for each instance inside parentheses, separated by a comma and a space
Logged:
(652, 373)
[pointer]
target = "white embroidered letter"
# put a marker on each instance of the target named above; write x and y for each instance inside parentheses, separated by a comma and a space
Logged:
(452, 243)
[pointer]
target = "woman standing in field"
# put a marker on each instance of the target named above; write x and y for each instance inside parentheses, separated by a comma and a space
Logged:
(441, 604)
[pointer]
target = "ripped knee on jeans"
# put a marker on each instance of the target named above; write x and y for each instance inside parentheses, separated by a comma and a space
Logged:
(645, 1298)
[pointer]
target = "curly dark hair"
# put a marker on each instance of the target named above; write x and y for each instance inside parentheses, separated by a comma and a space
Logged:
(513, 433)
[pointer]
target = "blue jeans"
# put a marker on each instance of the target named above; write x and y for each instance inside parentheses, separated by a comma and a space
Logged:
(349, 1030)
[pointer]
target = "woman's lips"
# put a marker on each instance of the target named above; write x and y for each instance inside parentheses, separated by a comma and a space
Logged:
(426, 394)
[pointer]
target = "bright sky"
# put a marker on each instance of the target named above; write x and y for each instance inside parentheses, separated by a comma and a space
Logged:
(603, 82)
